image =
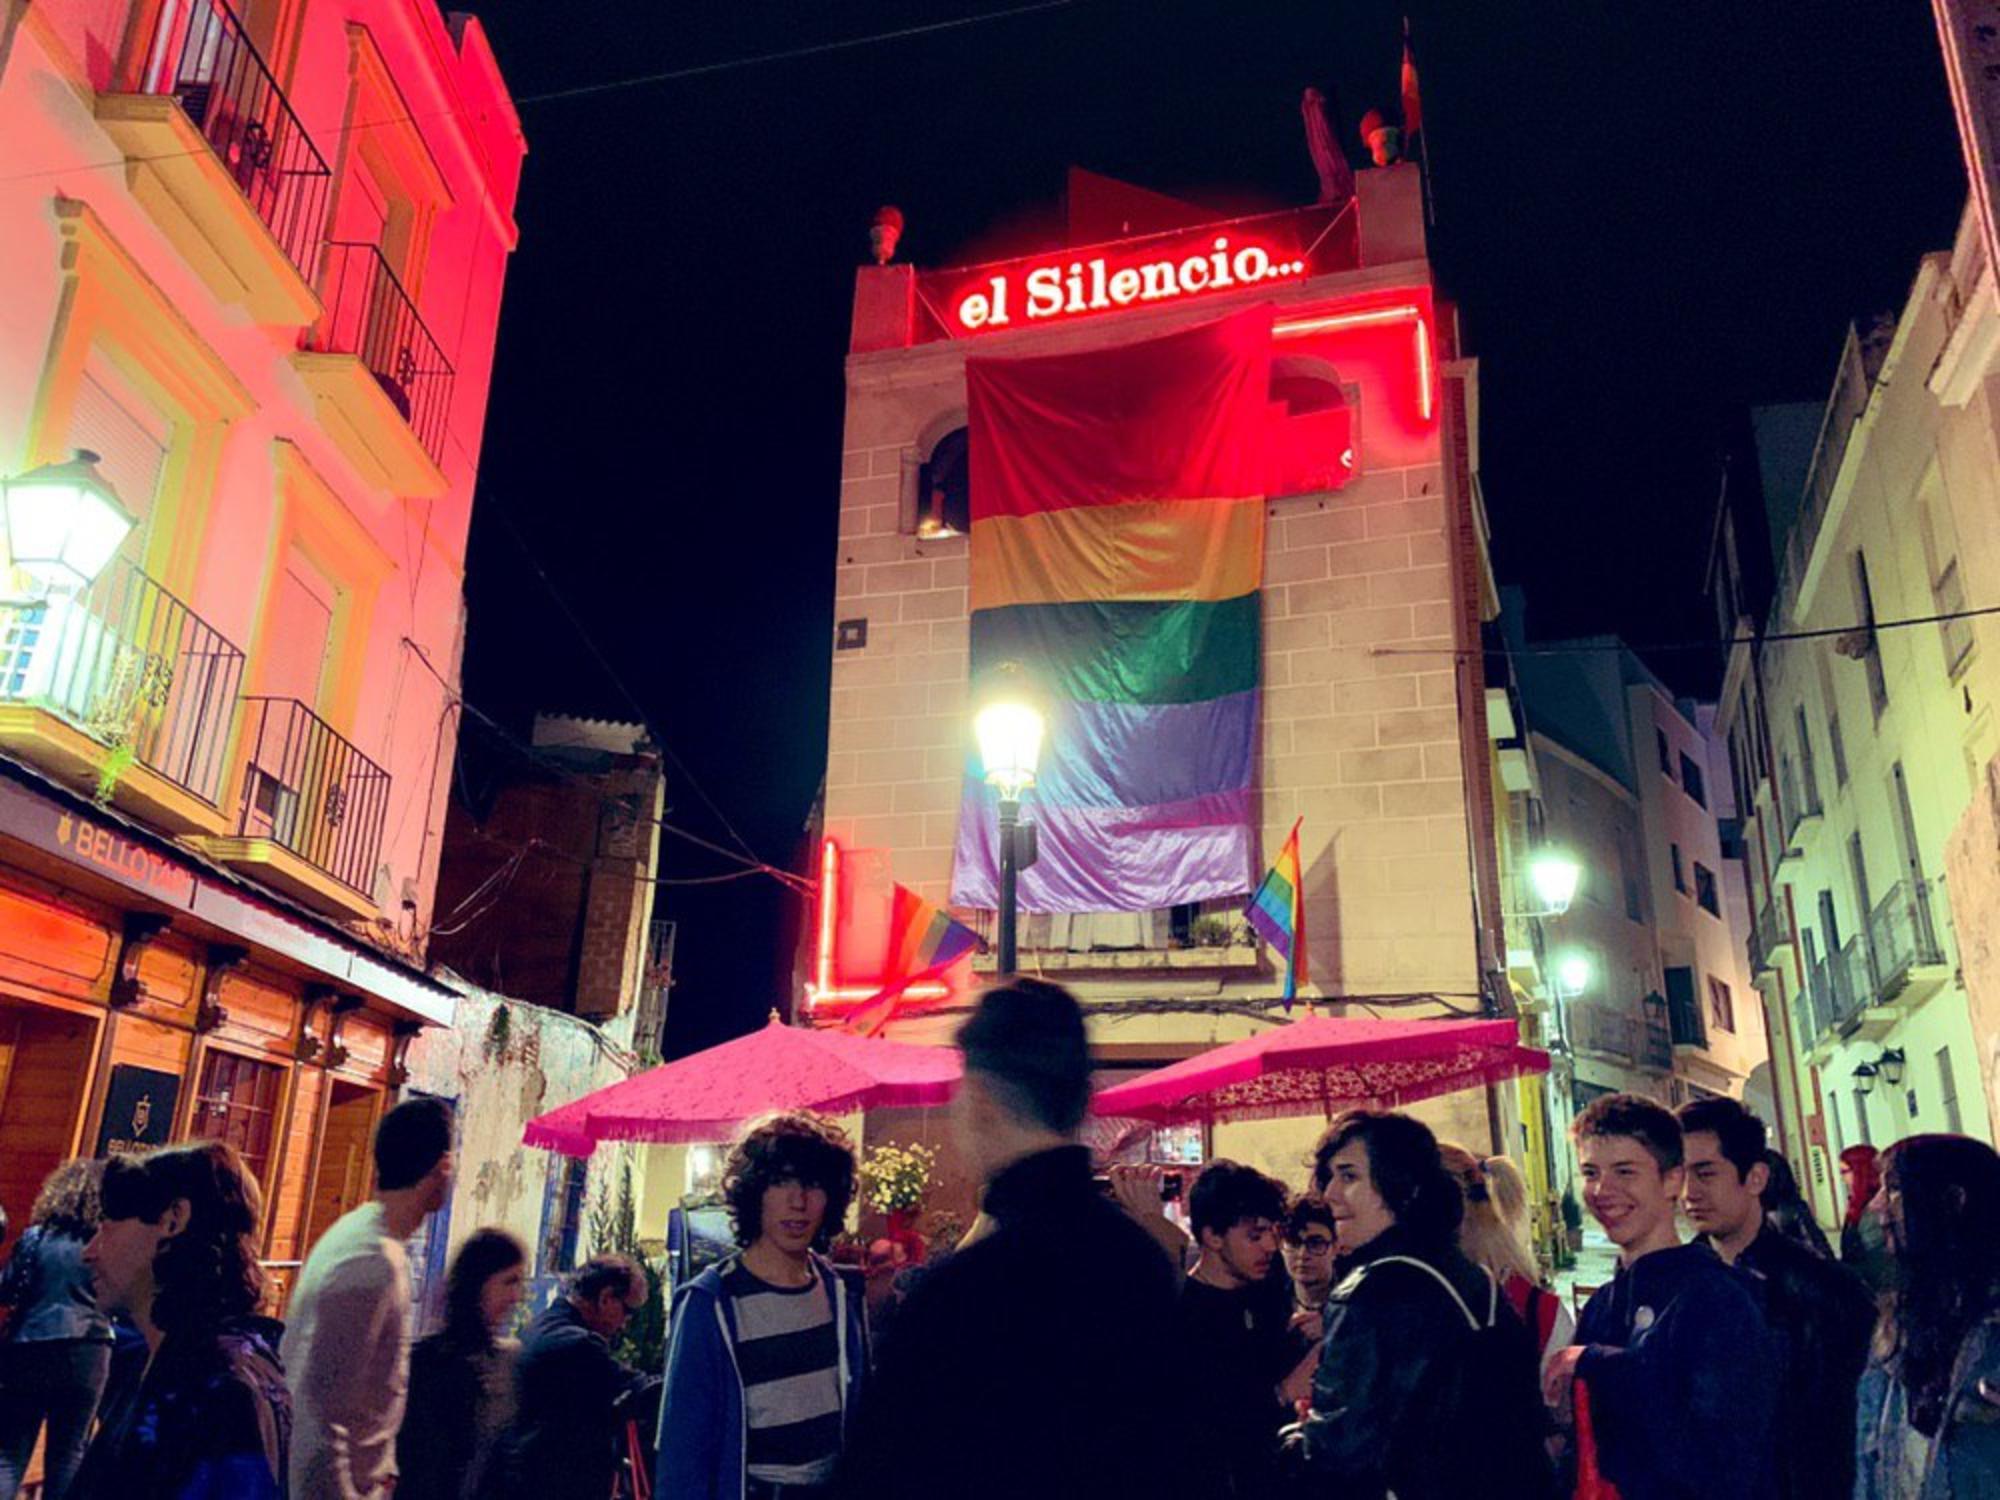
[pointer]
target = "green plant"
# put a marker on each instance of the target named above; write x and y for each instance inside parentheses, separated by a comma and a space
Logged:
(499, 1033)
(897, 1179)
(1211, 931)
(1572, 1214)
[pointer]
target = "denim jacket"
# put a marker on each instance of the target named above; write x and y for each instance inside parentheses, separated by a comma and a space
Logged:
(1962, 1461)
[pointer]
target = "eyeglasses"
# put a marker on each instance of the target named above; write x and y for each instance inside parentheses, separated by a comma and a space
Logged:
(1312, 1245)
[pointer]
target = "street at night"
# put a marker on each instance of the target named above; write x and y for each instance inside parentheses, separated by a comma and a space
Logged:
(1063, 749)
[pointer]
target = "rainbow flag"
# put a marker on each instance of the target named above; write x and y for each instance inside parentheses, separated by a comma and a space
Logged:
(924, 941)
(1117, 555)
(1278, 912)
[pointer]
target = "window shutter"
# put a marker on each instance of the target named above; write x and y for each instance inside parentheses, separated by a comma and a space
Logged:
(129, 438)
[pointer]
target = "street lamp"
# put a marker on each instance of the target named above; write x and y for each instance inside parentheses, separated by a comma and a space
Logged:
(1573, 973)
(1864, 1079)
(1554, 876)
(1009, 726)
(64, 523)
(1890, 1064)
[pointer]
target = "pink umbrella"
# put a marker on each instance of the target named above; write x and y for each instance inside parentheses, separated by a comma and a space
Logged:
(709, 1096)
(1323, 1064)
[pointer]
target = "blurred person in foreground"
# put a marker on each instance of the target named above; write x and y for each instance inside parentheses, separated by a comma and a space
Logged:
(1426, 1384)
(56, 1355)
(1042, 1358)
(1929, 1424)
(462, 1376)
(1818, 1307)
(176, 1251)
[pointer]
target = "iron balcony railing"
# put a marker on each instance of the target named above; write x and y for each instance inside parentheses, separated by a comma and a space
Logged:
(201, 55)
(131, 666)
(1853, 381)
(1656, 1037)
(369, 315)
(1685, 1024)
(1598, 1028)
(309, 790)
(1902, 936)
(1767, 936)
(1800, 800)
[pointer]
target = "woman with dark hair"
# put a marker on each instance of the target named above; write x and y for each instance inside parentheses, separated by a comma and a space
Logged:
(462, 1377)
(1929, 1425)
(767, 1349)
(1785, 1207)
(176, 1251)
(57, 1352)
(1420, 1343)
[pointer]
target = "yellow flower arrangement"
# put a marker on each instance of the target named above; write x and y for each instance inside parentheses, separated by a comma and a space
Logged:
(896, 1179)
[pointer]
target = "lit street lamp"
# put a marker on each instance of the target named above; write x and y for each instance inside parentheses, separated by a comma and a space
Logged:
(64, 523)
(1554, 875)
(1573, 974)
(1009, 729)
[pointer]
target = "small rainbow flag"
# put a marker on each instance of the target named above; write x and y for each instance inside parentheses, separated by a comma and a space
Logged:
(924, 941)
(1278, 912)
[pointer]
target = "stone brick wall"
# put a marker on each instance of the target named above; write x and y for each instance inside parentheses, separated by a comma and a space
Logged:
(1361, 718)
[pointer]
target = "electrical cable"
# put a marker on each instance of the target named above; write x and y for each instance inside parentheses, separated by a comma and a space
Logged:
(606, 86)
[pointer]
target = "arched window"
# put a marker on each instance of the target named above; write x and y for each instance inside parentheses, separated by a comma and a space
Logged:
(944, 488)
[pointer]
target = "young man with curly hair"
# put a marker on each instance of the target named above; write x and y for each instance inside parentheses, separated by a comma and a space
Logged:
(767, 1351)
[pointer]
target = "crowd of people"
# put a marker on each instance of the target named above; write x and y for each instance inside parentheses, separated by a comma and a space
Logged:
(1382, 1330)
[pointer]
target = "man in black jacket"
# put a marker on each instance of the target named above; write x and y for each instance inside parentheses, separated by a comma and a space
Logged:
(1819, 1308)
(563, 1444)
(1041, 1360)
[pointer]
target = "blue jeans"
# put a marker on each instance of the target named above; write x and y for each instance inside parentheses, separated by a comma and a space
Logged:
(58, 1382)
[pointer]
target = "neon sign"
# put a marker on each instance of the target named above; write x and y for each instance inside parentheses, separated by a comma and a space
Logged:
(834, 987)
(1092, 285)
(1266, 250)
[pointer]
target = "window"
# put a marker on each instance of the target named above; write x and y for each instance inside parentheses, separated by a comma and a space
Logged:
(1808, 770)
(1861, 1119)
(944, 488)
(1870, 645)
(1947, 591)
(1704, 889)
(131, 439)
(1948, 1093)
(1837, 746)
(1857, 860)
(1680, 873)
(1666, 754)
(238, 1103)
(562, 1216)
(1721, 1005)
(1691, 781)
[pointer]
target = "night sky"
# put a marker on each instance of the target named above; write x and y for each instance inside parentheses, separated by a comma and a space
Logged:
(1650, 218)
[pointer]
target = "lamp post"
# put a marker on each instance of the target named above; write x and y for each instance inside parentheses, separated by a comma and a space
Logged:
(1554, 876)
(1009, 726)
(64, 523)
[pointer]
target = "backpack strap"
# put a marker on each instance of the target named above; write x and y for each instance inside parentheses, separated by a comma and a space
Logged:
(1471, 1319)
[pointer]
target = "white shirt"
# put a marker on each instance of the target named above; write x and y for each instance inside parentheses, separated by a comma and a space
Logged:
(347, 1359)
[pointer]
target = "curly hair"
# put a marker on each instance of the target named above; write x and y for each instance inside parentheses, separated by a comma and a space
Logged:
(1407, 1170)
(797, 1146)
(1227, 1193)
(68, 1202)
(208, 1273)
(485, 1254)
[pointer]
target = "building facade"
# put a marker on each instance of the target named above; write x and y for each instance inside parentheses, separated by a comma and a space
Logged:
(1859, 712)
(253, 261)
(1375, 583)
(1655, 998)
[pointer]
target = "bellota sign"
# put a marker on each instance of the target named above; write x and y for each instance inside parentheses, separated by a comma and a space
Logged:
(1039, 292)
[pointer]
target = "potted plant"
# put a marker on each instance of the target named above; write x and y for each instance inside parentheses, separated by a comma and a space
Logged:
(1572, 1221)
(895, 1180)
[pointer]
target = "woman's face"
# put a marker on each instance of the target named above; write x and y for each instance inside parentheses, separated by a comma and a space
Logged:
(1887, 1206)
(501, 1294)
(1359, 1214)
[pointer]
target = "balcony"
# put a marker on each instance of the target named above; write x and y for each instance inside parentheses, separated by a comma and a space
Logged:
(1770, 938)
(312, 809)
(125, 691)
(1800, 805)
(1909, 961)
(382, 384)
(1861, 358)
(215, 154)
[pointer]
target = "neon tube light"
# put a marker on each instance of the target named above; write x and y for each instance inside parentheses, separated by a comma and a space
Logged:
(1375, 317)
(829, 896)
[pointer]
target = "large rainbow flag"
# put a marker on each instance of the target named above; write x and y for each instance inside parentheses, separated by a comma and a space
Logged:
(1117, 554)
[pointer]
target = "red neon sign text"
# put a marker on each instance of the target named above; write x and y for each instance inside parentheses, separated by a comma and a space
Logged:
(1100, 284)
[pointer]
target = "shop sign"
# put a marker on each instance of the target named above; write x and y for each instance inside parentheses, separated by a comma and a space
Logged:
(115, 855)
(138, 1109)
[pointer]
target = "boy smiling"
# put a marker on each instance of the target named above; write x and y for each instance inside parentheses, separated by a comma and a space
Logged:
(1681, 1369)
